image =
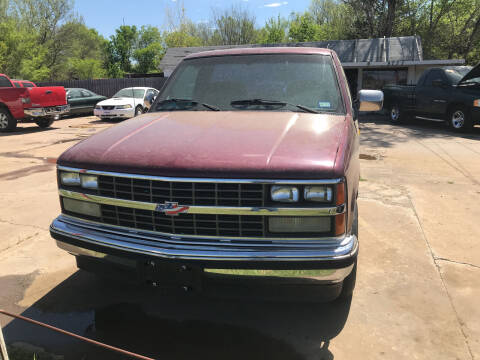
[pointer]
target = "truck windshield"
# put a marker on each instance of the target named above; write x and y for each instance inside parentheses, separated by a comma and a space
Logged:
(456, 73)
(279, 80)
(130, 93)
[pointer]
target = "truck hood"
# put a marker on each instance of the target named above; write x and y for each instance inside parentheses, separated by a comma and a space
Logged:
(237, 144)
(472, 74)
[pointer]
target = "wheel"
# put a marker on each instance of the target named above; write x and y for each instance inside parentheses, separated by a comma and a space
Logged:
(7, 122)
(459, 120)
(349, 282)
(44, 122)
(138, 111)
(396, 115)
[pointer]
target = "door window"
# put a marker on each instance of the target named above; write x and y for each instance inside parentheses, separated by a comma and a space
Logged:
(74, 93)
(4, 82)
(434, 75)
(86, 93)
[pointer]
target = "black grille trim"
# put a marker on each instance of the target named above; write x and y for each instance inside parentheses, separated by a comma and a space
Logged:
(185, 224)
(190, 193)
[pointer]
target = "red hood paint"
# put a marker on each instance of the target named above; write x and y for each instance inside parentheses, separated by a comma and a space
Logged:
(227, 144)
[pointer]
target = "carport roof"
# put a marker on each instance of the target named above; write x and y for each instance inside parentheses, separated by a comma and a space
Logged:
(395, 51)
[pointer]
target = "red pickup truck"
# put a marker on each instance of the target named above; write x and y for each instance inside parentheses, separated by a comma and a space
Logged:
(41, 104)
(245, 171)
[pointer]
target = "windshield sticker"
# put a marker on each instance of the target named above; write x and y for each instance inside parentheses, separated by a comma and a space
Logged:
(323, 104)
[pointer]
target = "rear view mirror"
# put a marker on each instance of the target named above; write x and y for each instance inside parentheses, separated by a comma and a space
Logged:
(370, 100)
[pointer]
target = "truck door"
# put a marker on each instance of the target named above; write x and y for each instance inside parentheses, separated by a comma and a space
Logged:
(432, 95)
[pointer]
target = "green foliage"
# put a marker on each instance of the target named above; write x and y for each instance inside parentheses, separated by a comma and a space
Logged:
(234, 26)
(304, 28)
(122, 46)
(274, 31)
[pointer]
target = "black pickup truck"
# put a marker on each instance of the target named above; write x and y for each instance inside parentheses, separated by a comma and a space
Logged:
(449, 94)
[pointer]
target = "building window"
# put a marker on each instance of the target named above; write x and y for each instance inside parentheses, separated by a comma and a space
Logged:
(377, 79)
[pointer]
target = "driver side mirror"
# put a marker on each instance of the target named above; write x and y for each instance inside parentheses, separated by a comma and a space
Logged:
(370, 100)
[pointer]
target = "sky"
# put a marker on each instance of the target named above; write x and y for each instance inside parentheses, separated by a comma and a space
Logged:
(107, 15)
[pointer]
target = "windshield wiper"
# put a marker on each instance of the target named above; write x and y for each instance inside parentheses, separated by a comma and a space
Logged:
(266, 102)
(192, 103)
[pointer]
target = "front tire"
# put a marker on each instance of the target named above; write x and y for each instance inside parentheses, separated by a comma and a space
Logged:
(7, 122)
(397, 116)
(44, 122)
(459, 120)
(138, 111)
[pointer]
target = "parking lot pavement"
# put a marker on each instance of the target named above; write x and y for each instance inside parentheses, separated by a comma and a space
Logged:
(418, 280)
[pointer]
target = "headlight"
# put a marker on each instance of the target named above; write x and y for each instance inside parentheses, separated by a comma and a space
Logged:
(476, 103)
(89, 181)
(318, 193)
(82, 207)
(70, 178)
(300, 224)
(123, 106)
(97, 107)
(284, 193)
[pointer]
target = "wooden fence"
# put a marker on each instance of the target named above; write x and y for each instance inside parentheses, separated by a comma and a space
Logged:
(108, 87)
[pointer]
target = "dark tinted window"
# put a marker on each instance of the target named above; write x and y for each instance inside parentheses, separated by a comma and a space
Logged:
(377, 79)
(434, 75)
(17, 84)
(27, 84)
(4, 82)
(308, 80)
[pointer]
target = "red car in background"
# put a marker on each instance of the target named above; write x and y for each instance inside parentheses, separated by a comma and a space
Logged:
(27, 102)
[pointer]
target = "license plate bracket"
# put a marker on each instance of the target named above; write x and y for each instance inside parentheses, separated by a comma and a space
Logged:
(171, 275)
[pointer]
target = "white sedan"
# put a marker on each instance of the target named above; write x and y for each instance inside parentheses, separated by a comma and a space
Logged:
(126, 103)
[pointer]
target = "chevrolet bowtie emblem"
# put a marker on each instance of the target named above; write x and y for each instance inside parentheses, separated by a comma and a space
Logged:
(171, 208)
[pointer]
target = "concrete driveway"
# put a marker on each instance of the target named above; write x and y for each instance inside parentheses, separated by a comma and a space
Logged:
(418, 285)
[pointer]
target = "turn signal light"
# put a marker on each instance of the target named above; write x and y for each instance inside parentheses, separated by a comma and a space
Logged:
(340, 224)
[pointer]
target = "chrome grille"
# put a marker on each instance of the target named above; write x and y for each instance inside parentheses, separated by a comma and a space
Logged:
(185, 224)
(185, 193)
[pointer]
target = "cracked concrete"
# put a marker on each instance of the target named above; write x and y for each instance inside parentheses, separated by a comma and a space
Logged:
(418, 281)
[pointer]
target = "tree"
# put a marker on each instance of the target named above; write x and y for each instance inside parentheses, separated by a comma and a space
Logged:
(274, 31)
(121, 48)
(304, 28)
(334, 18)
(234, 26)
(149, 50)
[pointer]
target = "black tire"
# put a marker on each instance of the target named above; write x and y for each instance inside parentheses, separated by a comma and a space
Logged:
(44, 122)
(138, 110)
(397, 116)
(459, 119)
(7, 122)
(349, 282)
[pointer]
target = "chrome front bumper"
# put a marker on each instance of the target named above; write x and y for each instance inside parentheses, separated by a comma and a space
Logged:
(48, 111)
(85, 238)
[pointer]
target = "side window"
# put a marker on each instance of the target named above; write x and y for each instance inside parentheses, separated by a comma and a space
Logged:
(74, 93)
(27, 84)
(86, 93)
(434, 75)
(4, 82)
(16, 84)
